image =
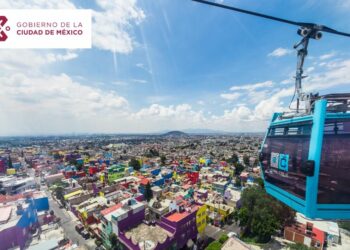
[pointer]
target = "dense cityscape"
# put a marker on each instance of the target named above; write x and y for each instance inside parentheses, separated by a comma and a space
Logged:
(165, 191)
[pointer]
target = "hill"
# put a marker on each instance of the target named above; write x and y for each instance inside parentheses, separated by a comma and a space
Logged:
(175, 134)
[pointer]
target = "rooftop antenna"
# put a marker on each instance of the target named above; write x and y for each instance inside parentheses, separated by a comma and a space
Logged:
(307, 31)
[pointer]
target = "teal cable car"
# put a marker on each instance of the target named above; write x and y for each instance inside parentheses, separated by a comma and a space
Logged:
(305, 160)
(305, 156)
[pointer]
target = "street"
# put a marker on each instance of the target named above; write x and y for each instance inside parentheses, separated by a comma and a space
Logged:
(68, 224)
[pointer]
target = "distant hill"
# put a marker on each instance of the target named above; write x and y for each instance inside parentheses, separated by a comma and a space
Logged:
(203, 131)
(175, 134)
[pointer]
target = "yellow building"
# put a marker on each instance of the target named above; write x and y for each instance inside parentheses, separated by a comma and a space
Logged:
(201, 219)
(218, 212)
(72, 194)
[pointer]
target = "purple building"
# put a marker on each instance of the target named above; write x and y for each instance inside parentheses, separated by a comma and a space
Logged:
(17, 220)
(182, 222)
(3, 164)
(121, 217)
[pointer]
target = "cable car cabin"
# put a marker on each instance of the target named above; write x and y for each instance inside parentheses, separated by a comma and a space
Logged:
(305, 160)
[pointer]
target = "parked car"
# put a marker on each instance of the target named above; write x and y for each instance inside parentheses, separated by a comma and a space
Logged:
(85, 234)
(232, 234)
(63, 242)
(79, 228)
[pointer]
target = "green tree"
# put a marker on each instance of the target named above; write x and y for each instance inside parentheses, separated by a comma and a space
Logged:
(238, 168)
(10, 162)
(73, 161)
(260, 215)
(148, 192)
(344, 224)
(238, 182)
(59, 193)
(162, 159)
(298, 246)
(113, 240)
(233, 159)
(215, 245)
(259, 181)
(223, 238)
(246, 160)
(57, 156)
(135, 164)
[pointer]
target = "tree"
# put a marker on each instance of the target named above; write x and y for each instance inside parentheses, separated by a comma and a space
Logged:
(238, 168)
(260, 215)
(233, 159)
(215, 245)
(259, 181)
(162, 159)
(238, 182)
(57, 156)
(59, 193)
(148, 192)
(223, 238)
(10, 162)
(113, 239)
(135, 164)
(298, 246)
(246, 160)
(344, 224)
(73, 161)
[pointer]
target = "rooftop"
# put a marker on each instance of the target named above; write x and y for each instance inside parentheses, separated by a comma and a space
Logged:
(145, 234)
(177, 216)
(233, 243)
(8, 217)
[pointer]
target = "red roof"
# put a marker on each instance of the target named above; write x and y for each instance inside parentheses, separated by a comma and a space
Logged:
(111, 209)
(175, 217)
(144, 181)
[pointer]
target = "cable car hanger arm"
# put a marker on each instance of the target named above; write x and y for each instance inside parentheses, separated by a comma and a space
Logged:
(312, 26)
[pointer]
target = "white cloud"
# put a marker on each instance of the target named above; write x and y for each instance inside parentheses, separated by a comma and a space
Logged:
(250, 87)
(139, 81)
(51, 57)
(336, 75)
(111, 26)
(31, 60)
(51, 103)
(327, 56)
(231, 96)
(279, 52)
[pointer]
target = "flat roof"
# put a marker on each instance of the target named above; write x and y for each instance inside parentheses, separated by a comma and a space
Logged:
(5, 213)
(67, 196)
(175, 217)
(106, 211)
(145, 234)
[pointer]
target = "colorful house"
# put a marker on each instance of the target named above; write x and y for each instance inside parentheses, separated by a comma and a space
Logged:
(124, 216)
(218, 213)
(201, 219)
(18, 218)
(182, 223)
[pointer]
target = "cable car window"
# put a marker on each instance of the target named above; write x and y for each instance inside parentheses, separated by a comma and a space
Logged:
(284, 151)
(334, 180)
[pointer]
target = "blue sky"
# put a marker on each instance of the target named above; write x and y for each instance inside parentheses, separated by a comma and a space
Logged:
(165, 64)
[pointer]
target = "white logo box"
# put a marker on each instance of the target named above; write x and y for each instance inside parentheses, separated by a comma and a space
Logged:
(42, 29)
